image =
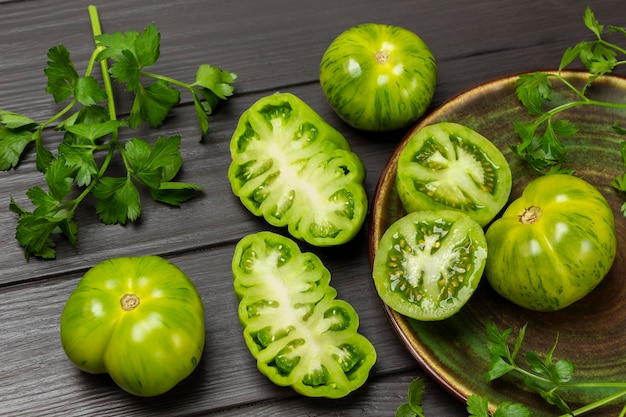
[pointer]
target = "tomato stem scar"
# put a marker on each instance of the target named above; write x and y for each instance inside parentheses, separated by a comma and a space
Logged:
(129, 302)
(530, 215)
(381, 56)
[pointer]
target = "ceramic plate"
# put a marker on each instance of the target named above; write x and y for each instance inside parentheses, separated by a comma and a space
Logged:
(592, 332)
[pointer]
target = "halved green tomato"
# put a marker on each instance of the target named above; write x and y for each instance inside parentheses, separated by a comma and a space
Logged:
(429, 263)
(448, 166)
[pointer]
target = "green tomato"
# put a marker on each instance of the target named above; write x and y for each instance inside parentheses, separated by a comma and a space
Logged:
(139, 319)
(378, 77)
(428, 263)
(448, 166)
(295, 170)
(553, 245)
(300, 334)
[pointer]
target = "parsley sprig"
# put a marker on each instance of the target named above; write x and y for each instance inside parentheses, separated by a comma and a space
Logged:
(542, 139)
(91, 125)
(544, 375)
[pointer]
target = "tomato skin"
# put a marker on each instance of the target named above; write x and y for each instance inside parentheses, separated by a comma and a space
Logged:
(378, 77)
(551, 263)
(429, 263)
(146, 350)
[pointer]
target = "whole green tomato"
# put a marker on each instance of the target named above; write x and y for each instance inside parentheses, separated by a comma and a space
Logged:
(553, 245)
(139, 319)
(378, 77)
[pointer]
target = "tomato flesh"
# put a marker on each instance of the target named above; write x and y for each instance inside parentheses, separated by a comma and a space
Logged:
(301, 335)
(295, 170)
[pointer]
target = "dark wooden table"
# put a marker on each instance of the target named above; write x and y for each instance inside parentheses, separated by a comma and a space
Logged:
(273, 46)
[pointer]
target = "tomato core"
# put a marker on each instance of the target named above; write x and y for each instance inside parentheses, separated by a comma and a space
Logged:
(129, 302)
(381, 56)
(530, 215)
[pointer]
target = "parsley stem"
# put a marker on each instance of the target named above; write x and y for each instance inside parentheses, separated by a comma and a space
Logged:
(612, 46)
(106, 77)
(58, 115)
(596, 404)
(108, 87)
(97, 30)
(558, 109)
(168, 79)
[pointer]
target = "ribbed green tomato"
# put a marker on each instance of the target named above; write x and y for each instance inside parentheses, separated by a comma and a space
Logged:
(378, 77)
(553, 245)
(139, 319)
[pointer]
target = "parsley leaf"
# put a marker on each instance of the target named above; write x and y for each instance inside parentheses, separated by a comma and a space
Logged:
(118, 200)
(61, 73)
(33, 233)
(88, 91)
(215, 80)
(78, 154)
(212, 85)
(153, 104)
(16, 121)
(532, 90)
(478, 406)
(413, 406)
(12, 145)
(155, 167)
(50, 215)
(543, 375)
(44, 156)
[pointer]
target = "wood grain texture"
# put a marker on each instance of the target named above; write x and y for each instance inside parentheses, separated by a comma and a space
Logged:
(273, 45)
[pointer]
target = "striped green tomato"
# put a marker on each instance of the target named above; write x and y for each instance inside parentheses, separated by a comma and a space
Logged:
(553, 245)
(139, 319)
(378, 77)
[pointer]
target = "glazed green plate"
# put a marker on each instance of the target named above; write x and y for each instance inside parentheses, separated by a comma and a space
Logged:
(592, 332)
